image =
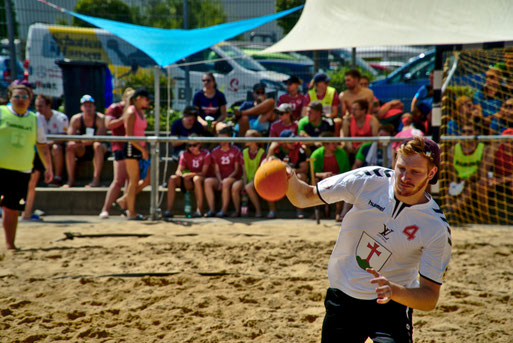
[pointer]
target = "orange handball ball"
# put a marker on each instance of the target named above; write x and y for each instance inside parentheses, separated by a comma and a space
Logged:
(271, 180)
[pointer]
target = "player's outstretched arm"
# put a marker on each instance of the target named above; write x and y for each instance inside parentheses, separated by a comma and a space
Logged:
(422, 298)
(301, 194)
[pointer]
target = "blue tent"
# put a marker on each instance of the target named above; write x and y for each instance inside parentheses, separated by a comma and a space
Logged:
(167, 46)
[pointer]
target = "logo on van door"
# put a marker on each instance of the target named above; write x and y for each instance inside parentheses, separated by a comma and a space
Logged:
(234, 85)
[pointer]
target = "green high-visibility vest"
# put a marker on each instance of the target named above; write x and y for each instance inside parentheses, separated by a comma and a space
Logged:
(467, 165)
(251, 165)
(327, 101)
(18, 135)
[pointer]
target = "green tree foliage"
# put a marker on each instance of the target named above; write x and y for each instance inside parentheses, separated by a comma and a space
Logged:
(107, 9)
(3, 20)
(168, 14)
(337, 77)
(288, 22)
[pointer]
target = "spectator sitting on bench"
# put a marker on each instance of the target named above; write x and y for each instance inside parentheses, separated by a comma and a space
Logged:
(257, 114)
(87, 123)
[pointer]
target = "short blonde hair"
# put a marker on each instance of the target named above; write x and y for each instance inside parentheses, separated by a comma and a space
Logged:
(416, 146)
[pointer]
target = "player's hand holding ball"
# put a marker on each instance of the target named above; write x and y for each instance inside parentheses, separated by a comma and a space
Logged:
(271, 180)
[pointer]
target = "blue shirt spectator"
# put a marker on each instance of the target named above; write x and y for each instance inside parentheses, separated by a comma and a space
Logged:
(209, 106)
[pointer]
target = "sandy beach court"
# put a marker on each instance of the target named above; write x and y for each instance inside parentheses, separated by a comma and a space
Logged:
(216, 280)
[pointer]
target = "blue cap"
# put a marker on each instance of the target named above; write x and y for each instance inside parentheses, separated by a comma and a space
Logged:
(321, 77)
(287, 133)
(86, 98)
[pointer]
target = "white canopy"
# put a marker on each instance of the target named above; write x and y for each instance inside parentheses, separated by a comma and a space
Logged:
(333, 24)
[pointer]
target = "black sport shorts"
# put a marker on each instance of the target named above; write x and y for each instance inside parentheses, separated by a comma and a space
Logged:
(37, 164)
(130, 151)
(13, 189)
(353, 320)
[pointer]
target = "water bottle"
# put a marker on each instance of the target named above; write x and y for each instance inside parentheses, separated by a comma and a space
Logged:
(244, 206)
(209, 120)
(187, 207)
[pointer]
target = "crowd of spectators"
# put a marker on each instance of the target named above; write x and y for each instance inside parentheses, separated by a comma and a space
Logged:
(227, 171)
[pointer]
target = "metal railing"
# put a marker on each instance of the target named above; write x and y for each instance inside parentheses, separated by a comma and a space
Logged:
(153, 141)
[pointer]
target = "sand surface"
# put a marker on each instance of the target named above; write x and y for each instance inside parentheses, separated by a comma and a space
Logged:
(222, 281)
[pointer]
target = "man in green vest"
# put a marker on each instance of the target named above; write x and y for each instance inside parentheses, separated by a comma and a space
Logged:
(468, 175)
(327, 96)
(19, 133)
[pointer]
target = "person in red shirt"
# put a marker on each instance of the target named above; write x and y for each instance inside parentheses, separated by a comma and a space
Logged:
(284, 122)
(295, 99)
(192, 169)
(226, 161)
(359, 124)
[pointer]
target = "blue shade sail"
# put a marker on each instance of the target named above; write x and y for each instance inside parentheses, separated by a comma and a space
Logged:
(167, 46)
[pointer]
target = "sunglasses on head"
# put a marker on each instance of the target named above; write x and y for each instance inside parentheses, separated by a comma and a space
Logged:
(206, 80)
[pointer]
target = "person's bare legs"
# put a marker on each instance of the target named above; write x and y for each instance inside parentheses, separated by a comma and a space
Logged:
(253, 197)
(58, 160)
(99, 154)
(226, 192)
(236, 189)
(31, 194)
(120, 177)
(10, 223)
(141, 184)
(173, 182)
(265, 108)
(73, 150)
(243, 125)
(132, 169)
(211, 184)
(198, 192)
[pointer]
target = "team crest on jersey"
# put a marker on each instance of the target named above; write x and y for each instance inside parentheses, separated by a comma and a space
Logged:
(370, 253)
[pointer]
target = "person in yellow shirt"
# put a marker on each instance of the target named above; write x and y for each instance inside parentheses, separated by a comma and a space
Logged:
(19, 132)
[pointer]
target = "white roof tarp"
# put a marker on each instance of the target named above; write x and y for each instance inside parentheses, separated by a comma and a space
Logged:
(333, 24)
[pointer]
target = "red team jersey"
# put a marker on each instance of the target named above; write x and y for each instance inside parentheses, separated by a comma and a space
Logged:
(296, 102)
(195, 163)
(226, 160)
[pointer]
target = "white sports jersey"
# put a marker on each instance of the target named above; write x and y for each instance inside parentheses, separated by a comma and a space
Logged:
(397, 240)
(58, 123)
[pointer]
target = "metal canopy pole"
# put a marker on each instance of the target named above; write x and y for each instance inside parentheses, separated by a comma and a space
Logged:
(10, 34)
(155, 152)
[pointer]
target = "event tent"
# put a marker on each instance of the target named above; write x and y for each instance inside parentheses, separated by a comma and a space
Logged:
(333, 24)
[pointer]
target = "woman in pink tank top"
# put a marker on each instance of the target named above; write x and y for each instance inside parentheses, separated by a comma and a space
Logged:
(133, 151)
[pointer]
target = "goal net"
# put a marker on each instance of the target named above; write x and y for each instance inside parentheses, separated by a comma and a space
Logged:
(477, 177)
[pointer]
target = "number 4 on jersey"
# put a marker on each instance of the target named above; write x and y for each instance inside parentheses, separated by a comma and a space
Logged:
(410, 231)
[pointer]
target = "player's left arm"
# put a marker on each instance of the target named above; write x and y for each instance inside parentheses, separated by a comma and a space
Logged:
(422, 298)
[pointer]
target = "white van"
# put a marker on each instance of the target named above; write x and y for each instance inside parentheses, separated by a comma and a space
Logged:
(235, 72)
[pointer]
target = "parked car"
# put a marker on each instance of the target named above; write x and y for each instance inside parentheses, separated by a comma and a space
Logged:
(289, 63)
(404, 82)
(5, 74)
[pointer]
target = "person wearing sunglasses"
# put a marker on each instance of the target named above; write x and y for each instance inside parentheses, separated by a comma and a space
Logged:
(284, 122)
(503, 119)
(20, 131)
(211, 102)
(192, 170)
(467, 174)
(187, 125)
(257, 114)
